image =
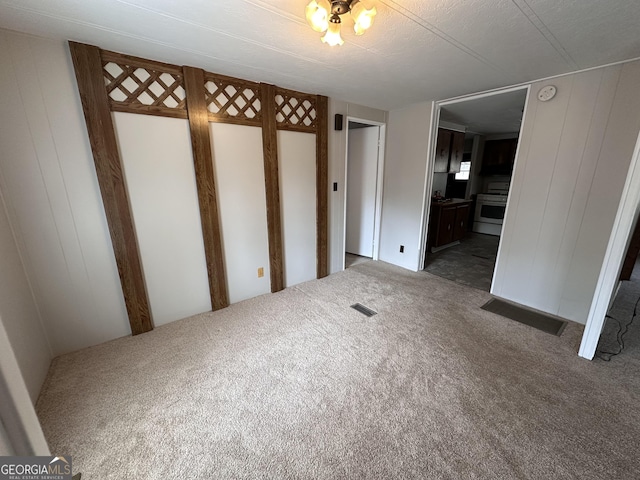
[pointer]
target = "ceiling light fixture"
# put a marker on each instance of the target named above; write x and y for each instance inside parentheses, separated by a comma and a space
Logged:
(324, 16)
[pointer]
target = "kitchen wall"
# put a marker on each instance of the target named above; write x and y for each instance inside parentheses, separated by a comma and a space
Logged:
(439, 183)
(405, 185)
(574, 155)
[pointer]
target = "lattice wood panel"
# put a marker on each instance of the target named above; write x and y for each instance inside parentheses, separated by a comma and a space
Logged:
(295, 111)
(142, 86)
(233, 100)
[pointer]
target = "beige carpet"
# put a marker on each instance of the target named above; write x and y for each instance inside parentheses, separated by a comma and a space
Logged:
(298, 385)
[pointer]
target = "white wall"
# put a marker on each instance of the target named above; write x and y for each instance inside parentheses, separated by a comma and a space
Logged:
(51, 191)
(572, 164)
(405, 184)
(6, 449)
(239, 172)
(21, 433)
(161, 182)
(297, 173)
(337, 173)
(19, 312)
(55, 208)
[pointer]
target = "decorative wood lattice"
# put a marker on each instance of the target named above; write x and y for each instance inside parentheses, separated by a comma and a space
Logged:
(142, 86)
(233, 100)
(295, 111)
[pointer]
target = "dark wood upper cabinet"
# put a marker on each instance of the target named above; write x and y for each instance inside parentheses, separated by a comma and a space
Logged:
(443, 147)
(499, 156)
(449, 150)
(457, 150)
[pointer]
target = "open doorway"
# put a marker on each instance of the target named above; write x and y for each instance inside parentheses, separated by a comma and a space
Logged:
(363, 190)
(474, 157)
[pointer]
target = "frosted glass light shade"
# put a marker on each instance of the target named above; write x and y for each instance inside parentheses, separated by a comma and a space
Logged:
(332, 37)
(363, 18)
(317, 13)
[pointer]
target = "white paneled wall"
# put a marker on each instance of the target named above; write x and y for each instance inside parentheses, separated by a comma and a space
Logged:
(574, 155)
(51, 191)
(405, 185)
(19, 314)
(161, 181)
(297, 171)
(239, 172)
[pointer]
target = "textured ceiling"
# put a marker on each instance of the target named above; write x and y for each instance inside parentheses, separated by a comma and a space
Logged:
(488, 115)
(417, 50)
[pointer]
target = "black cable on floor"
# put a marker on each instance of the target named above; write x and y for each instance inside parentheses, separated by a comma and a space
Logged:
(622, 331)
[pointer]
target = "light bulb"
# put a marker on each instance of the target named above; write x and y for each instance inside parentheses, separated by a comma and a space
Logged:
(317, 13)
(363, 18)
(332, 37)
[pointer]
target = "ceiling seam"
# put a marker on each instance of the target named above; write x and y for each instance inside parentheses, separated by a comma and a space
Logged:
(444, 36)
(148, 40)
(226, 34)
(537, 22)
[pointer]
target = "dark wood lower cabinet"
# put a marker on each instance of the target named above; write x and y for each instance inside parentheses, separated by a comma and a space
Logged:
(448, 222)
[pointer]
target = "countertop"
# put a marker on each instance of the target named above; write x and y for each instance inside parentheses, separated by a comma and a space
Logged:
(450, 201)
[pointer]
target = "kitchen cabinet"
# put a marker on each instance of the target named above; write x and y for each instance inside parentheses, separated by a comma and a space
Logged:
(499, 156)
(449, 150)
(448, 222)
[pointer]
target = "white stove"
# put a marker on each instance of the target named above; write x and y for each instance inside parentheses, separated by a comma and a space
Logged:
(490, 209)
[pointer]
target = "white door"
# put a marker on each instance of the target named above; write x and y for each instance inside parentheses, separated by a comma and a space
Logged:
(362, 170)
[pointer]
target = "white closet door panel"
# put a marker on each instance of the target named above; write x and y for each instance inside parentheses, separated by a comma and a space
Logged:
(158, 164)
(362, 169)
(239, 170)
(297, 171)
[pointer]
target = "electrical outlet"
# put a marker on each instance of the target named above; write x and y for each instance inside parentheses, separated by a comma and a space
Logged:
(401, 248)
(260, 272)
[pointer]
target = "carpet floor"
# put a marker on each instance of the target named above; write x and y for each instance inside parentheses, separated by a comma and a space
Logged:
(298, 385)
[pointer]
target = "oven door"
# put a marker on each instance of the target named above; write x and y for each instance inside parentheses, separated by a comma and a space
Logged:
(490, 211)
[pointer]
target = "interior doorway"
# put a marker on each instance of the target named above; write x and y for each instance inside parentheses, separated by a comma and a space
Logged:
(364, 159)
(472, 165)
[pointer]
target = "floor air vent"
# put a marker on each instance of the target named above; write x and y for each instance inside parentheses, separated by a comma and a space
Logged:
(364, 310)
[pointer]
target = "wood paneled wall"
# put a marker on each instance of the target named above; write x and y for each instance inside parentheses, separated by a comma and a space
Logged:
(110, 81)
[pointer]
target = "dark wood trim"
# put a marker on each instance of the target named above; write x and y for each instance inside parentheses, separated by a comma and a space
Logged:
(297, 128)
(322, 185)
(285, 92)
(210, 76)
(214, 118)
(95, 105)
(120, 58)
(149, 110)
(272, 186)
(205, 180)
